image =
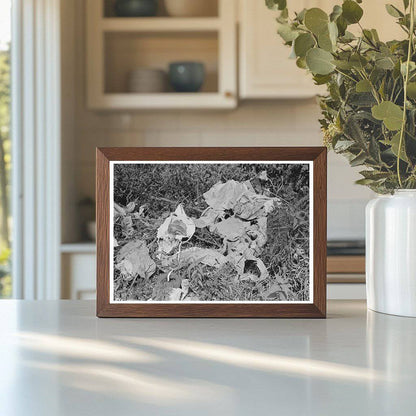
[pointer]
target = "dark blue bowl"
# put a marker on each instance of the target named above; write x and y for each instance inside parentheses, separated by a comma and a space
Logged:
(136, 8)
(186, 76)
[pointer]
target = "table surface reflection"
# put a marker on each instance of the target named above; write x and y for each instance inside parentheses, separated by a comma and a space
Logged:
(56, 358)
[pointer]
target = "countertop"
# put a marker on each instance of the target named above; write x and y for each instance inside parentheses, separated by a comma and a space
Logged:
(57, 358)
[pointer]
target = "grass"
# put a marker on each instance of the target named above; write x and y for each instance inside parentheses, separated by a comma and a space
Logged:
(160, 188)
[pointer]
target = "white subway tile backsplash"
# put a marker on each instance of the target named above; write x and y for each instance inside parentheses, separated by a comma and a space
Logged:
(168, 138)
(346, 219)
(149, 120)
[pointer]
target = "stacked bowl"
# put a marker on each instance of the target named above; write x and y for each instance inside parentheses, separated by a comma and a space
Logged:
(147, 80)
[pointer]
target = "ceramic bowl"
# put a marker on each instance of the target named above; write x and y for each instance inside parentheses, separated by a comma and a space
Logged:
(186, 76)
(147, 80)
(136, 8)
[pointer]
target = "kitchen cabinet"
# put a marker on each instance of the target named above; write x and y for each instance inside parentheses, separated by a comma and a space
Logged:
(265, 70)
(78, 264)
(116, 46)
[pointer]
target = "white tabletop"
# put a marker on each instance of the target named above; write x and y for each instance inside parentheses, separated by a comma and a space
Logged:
(57, 359)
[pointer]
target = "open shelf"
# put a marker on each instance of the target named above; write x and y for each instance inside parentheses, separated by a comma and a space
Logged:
(211, 9)
(130, 101)
(80, 247)
(116, 46)
(127, 51)
(160, 24)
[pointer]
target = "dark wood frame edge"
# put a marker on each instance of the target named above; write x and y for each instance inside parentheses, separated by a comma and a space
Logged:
(317, 309)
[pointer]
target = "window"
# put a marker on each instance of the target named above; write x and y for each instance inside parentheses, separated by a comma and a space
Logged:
(5, 144)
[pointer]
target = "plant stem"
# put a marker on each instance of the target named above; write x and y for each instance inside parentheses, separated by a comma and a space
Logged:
(373, 89)
(345, 75)
(406, 80)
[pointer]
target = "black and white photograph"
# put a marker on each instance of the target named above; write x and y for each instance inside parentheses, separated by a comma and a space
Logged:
(211, 232)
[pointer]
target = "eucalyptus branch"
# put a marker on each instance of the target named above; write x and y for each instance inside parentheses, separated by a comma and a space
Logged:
(346, 75)
(405, 81)
(373, 89)
(364, 108)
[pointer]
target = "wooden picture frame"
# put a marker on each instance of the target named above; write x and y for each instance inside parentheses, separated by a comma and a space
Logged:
(316, 157)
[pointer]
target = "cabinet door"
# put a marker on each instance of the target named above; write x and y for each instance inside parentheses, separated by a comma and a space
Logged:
(265, 68)
(376, 17)
(78, 276)
(116, 46)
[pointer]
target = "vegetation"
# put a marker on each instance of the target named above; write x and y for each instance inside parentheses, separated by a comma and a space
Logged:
(5, 164)
(152, 192)
(369, 113)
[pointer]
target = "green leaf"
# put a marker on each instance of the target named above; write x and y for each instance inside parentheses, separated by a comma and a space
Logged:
(368, 36)
(411, 90)
(319, 61)
(284, 14)
(374, 150)
(333, 32)
(363, 86)
(300, 17)
(276, 4)
(388, 112)
(343, 145)
(375, 35)
(301, 63)
(358, 61)
(393, 11)
(343, 65)
(364, 181)
(286, 32)
(385, 63)
(342, 25)
(354, 131)
(358, 160)
(412, 67)
(303, 43)
(381, 89)
(321, 79)
(406, 4)
(283, 17)
(351, 11)
(396, 71)
(361, 99)
(327, 40)
(374, 175)
(336, 12)
(347, 37)
(394, 145)
(325, 43)
(316, 20)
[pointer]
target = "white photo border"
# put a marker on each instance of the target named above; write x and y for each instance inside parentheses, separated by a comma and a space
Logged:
(224, 162)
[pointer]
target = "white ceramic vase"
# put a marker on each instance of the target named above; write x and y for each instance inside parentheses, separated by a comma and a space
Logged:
(391, 253)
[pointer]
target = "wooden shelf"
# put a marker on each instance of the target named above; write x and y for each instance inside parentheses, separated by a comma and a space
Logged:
(159, 24)
(116, 46)
(346, 264)
(129, 101)
(346, 269)
(76, 248)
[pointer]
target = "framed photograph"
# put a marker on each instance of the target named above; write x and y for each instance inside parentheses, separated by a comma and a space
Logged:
(211, 232)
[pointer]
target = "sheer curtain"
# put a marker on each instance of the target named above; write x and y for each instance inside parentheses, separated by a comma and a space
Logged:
(36, 148)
